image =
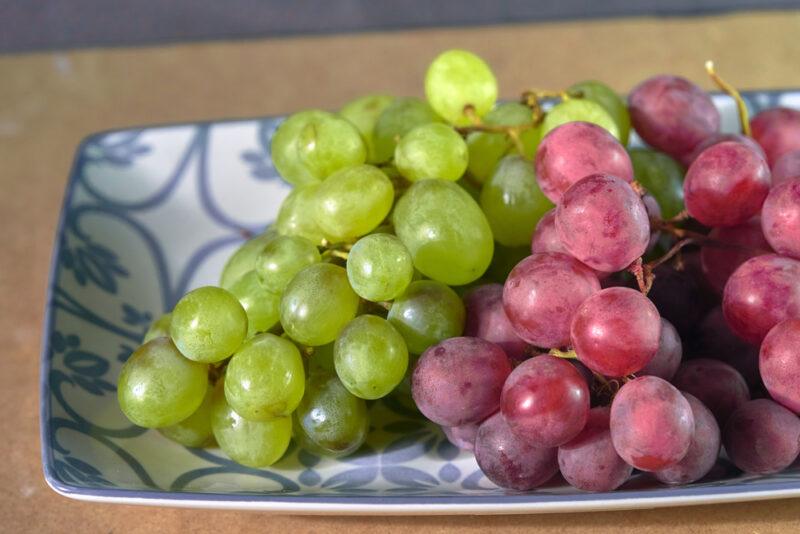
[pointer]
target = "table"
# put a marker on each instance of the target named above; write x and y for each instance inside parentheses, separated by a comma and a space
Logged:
(50, 101)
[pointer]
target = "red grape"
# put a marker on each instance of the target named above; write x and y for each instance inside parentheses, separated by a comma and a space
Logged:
(462, 436)
(668, 357)
(653, 212)
(779, 362)
(777, 130)
(736, 245)
(780, 218)
(786, 167)
(718, 385)
(487, 320)
(721, 138)
(716, 340)
(545, 239)
(762, 437)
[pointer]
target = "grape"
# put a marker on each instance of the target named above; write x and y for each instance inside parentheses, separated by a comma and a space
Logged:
(398, 119)
(512, 462)
(603, 222)
(668, 358)
(726, 184)
(363, 113)
(777, 130)
(703, 450)
(263, 308)
(250, 443)
(762, 292)
(577, 109)
(576, 150)
(779, 362)
(605, 96)
(195, 430)
(653, 213)
(457, 79)
(672, 114)
(718, 138)
(487, 148)
(296, 216)
(371, 357)
(589, 461)
(786, 168)
(780, 218)
(762, 437)
(730, 247)
(330, 420)
(445, 231)
(158, 387)
(616, 331)
(317, 303)
(716, 340)
(431, 150)
(545, 400)
(542, 294)
(662, 176)
(311, 145)
(459, 381)
(379, 267)
(158, 328)
(651, 423)
(487, 320)
(504, 259)
(545, 239)
(243, 260)
(208, 324)
(321, 360)
(282, 258)
(427, 313)
(462, 436)
(719, 386)
(265, 378)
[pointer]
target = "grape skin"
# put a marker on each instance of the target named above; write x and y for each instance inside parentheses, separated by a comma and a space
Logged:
(261, 306)
(462, 436)
(456, 79)
(487, 148)
(716, 384)
(243, 260)
(662, 176)
(780, 218)
(379, 267)
(779, 363)
(579, 110)
(363, 113)
(195, 430)
(744, 241)
(545, 239)
(605, 96)
(427, 313)
(717, 138)
(158, 328)
(296, 216)
(432, 150)
(786, 168)
(486, 319)
(762, 437)
(777, 130)
(282, 258)
(716, 340)
(397, 120)
(668, 357)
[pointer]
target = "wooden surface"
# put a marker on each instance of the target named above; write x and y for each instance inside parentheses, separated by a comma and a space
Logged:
(49, 101)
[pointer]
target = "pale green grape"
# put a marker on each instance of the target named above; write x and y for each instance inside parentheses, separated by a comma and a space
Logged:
(371, 357)
(487, 148)
(445, 231)
(579, 109)
(611, 102)
(321, 361)
(513, 202)
(363, 113)
(662, 176)
(427, 313)
(431, 151)
(397, 120)
(158, 387)
(265, 378)
(456, 79)
(330, 420)
(353, 201)
(195, 430)
(208, 324)
(243, 260)
(317, 303)
(159, 328)
(250, 443)
(282, 258)
(261, 306)
(472, 187)
(379, 267)
(296, 216)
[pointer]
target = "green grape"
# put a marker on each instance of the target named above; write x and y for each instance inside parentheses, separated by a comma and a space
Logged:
(427, 313)
(363, 113)
(195, 430)
(317, 303)
(431, 151)
(310, 145)
(579, 109)
(330, 420)
(513, 202)
(457, 79)
(505, 259)
(662, 176)
(243, 260)
(158, 387)
(321, 360)
(487, 148)
(353, 201)
(208, 324)
(472, 188)
(611, 102)
(261, 306)
(250, 443)
(445, 231)
(371, 357)
(265, 378)
(296, 216)
(159, 328)
(282, 258)
(397, 120)
(379, 267)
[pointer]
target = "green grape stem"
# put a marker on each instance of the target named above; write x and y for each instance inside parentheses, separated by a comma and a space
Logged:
(731, 91)
(566, 354)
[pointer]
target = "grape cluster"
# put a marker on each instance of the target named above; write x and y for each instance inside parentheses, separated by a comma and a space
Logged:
(554, 300)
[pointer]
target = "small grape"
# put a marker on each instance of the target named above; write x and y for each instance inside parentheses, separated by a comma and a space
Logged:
(427, 313)
(282, 259)
(195, 430)
(243, 260)
(431, 150)
(662, 176)
(457, 79)
(779, 363)
(462, 436)
(716, 384)
(579, 109)
(777, 130)
(717, 138)
(605, 96)
(261, 306)
(158, 328)
(487, 320)
(397, 120)
(780, 218)
(487, 148)
(668, 357)
(208, 324)
(379, 267)
(786, 168)
(363, 113)
(296, 216)
(730, 247)
(762, 437)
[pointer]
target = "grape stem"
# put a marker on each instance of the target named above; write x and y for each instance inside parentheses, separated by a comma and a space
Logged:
(567, 354)
(733, 93)
(643, 274)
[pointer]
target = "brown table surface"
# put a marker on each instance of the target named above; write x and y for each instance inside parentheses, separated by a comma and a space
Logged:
(49, 101)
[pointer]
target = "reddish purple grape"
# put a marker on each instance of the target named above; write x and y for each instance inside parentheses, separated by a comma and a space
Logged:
(762, 292)
(545, 239)
(603, 222)
(731, 247)
(542, 293)
(577, 149)
(589, 461)
(780, 218)
(487, 320)
(651, 423)
(779, 362)
(462, 436)
(545, 401)
(718, 138)
(716, 340)
(653, 212)
(762, 437)
(459, 381)
(703, 449)
(786, 167)
(668, 357)
(718, 385)
(672, 114)
(726, 184)
(616, 331)
(777, 130)
(510, 461)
